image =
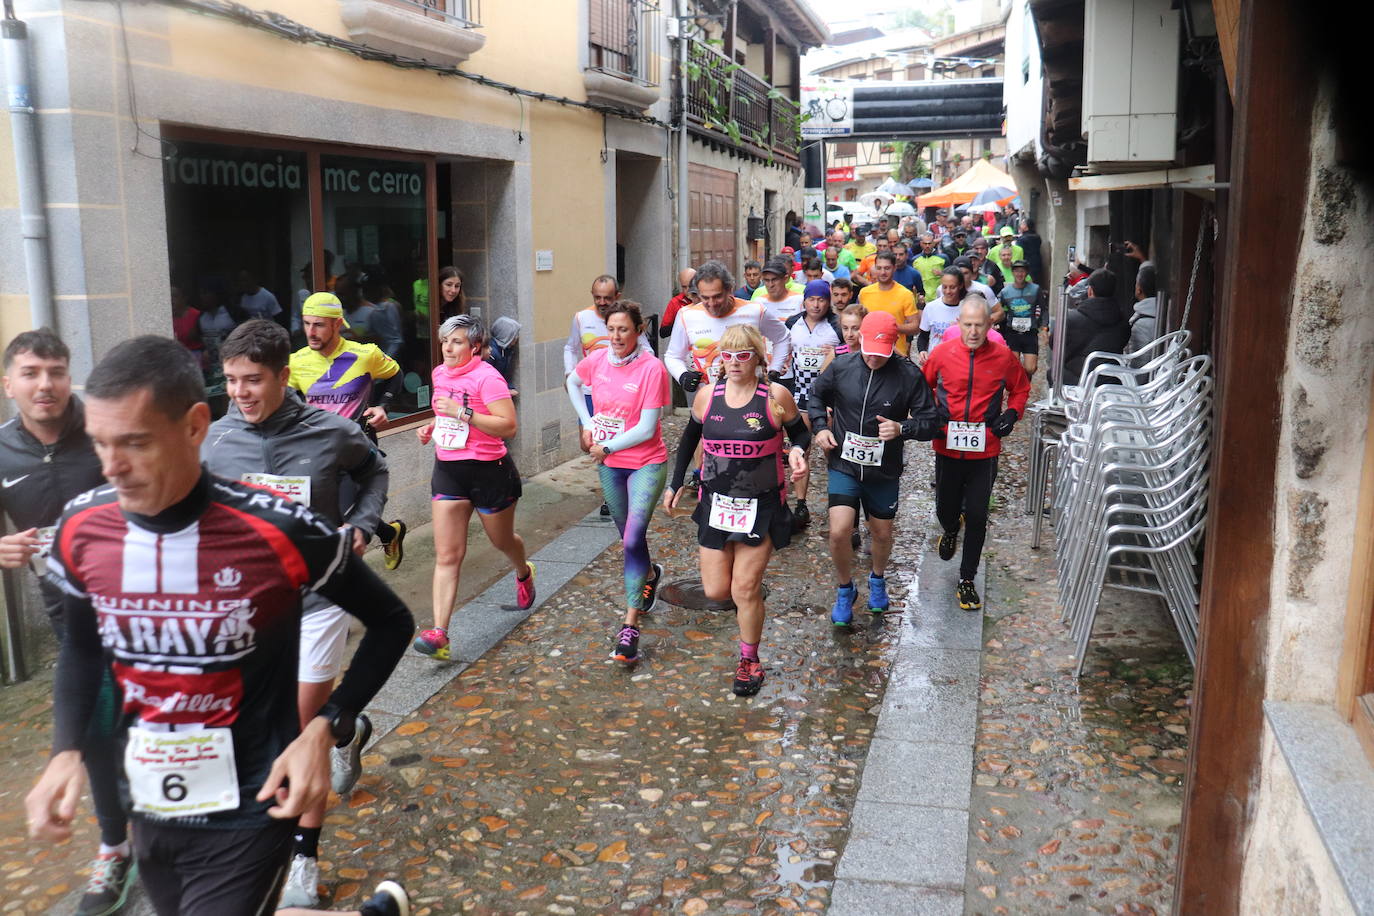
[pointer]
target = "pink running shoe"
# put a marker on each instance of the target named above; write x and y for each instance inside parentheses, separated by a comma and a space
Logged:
(433, 643)
(524, 589)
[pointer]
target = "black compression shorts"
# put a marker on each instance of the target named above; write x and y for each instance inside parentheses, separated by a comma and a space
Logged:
(197, 871)
(491, 486)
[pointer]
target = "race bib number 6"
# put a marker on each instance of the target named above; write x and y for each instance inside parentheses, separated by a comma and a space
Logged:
(864, 450)
(966, 437)
(735, 514)
(182, 773)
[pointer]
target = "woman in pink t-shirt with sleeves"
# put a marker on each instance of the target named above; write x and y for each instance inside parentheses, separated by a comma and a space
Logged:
(473, 416)
(630, 389)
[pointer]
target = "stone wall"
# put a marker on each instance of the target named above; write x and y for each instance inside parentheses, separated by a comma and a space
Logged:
(1322, 426)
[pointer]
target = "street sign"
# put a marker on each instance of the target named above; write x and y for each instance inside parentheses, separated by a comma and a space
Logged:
(827, 110)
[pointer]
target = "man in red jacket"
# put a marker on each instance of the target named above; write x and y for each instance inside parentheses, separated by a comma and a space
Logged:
(980, 392)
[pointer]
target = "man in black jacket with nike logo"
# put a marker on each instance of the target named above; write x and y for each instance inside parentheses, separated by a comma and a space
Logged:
(46, 458)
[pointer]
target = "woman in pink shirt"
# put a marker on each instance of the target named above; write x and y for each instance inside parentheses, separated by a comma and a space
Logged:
(630, 389)
(473, 416)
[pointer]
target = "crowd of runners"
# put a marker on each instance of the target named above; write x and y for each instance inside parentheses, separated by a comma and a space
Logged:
(201, 575)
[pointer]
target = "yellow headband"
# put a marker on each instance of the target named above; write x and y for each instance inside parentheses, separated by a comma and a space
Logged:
(324, 305)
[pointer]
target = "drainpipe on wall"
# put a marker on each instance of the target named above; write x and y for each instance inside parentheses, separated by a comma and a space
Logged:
(24, 127)
(684, 210)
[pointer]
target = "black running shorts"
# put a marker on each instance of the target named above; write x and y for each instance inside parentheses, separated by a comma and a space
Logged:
(491, 486)
(197, 871)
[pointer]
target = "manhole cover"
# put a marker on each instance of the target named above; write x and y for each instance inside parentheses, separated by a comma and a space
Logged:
(688, 593)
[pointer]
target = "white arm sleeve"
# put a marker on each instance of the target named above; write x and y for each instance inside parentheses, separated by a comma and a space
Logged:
(675, 357)
(640, 432)
(572, 350)
(781, 339)
(579, 403)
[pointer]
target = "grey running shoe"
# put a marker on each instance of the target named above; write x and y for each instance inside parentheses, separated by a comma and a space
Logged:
(346, 763)
(302, 884)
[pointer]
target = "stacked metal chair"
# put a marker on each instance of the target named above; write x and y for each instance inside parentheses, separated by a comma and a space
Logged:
(1130, 485)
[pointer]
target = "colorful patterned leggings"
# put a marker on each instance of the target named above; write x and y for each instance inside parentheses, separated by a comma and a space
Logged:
(632, 494)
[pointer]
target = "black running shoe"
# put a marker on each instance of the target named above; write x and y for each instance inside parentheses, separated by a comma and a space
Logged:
(389, 899)
(111, 877)
(968, 596)
(626, 649)
(801, 517)
(748, 677)
(605, 511)
(651, 588)
(948, 542)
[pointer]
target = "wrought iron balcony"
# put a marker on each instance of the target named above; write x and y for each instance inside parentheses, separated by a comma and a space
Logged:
(727, 103)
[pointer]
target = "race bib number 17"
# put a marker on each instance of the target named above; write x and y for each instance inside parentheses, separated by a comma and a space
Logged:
(450, 433)
(183, 773)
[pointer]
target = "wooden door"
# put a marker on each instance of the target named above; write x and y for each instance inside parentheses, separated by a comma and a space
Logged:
(713, 209)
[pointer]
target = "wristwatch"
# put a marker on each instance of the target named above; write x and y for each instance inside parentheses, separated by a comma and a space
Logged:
(342, 723)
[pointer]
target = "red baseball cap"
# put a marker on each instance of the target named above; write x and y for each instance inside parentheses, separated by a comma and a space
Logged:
(878, 334)
(788, 250)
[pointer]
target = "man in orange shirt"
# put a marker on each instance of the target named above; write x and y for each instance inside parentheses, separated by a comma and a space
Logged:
(865, 271)
(886, 295)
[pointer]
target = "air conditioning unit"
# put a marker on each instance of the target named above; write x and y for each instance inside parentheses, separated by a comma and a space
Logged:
(1130, 83)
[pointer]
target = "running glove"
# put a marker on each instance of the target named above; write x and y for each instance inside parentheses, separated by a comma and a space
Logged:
(1001, 427)
(689, 380)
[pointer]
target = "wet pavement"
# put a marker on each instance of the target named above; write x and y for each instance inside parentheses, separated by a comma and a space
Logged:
(544, 778)
(1077, 793)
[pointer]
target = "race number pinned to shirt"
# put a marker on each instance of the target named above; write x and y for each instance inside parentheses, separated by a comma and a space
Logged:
(1021, 325)
(734, 514)
(605, 428)
(966, 437)
(450, 433)
(864, 450)
(297, 489)
(182, 773)
(810, 359)
(45, 539)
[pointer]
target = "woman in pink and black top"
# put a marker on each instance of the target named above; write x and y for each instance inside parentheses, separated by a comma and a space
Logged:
(630, 390)
(742, 517)
(473, 416)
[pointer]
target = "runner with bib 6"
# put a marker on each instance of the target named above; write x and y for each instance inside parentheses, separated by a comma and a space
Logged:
(742, 517)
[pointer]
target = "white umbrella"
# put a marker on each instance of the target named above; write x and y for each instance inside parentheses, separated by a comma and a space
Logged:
(875, 200)
(895, 187)
(901, 208)
(991, 205)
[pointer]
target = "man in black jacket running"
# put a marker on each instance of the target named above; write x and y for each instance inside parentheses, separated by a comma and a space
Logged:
(45, 459)
(876, 403)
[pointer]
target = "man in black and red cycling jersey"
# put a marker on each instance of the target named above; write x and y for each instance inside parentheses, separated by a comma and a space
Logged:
(980, 393)
(189, 586)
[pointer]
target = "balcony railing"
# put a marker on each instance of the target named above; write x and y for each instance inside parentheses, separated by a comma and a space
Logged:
(620, 39)
(729, 103)
(466, 14)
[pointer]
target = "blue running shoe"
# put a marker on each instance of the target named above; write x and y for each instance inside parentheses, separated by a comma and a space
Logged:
(842, 614)
(878, 602)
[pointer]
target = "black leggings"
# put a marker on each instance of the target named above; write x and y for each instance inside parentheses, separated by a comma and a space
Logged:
(965, 485)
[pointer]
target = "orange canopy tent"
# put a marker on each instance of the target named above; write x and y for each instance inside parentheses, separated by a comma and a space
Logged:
(981, 175)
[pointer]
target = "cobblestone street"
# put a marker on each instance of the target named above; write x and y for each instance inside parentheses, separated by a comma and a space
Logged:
(546, 779)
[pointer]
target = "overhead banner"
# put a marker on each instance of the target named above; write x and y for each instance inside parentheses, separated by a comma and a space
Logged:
(827, 111)
(839, 173)
(927, 110)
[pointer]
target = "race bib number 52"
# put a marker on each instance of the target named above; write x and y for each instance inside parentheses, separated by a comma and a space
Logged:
(182, 773)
